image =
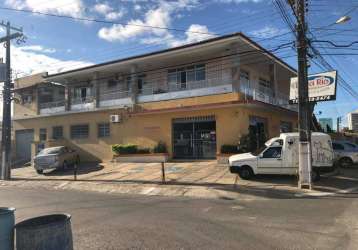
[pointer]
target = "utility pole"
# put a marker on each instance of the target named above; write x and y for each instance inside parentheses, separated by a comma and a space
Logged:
(304, 108)
(6, 116)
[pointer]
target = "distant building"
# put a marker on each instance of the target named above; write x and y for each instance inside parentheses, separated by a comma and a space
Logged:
(326, 124)
(353, 121)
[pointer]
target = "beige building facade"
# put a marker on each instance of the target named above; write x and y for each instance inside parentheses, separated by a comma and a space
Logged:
(194, 98)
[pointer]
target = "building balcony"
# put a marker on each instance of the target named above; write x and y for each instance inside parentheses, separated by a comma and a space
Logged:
(277, 99)
(78, 104)
(153, 91)
(52, 107)
(115, 98)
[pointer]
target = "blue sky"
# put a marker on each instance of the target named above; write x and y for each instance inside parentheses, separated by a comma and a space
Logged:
(56, 44)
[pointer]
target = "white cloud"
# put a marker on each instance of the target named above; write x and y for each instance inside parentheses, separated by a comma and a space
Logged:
(238, 1)
(266, 32)
(108, 12)
(160, 16)
(137, 7)
(74, 8)
(102, 8)
(38, 48)
(195, 33)
(31, 61)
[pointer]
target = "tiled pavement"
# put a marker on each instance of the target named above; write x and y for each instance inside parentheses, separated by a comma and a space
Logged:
(205, 179)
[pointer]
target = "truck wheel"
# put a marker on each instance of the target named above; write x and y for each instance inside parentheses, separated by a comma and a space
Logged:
(315, 175)
(39, 171)
(345, 162)
(246, 173)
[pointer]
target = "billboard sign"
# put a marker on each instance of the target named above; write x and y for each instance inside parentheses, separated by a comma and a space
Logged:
(321, 87)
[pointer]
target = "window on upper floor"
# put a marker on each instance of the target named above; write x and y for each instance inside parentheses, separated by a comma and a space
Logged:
(244, 80)
(26, 99)
(112, 83)
(141, 81)
(265, 86)
(82, 93)
(181, 76)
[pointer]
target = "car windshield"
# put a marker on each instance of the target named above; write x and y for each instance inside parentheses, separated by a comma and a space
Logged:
(259, 150)
(351, 145)
(48, 151)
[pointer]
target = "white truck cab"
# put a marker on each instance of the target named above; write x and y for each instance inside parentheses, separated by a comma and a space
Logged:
(280, 156)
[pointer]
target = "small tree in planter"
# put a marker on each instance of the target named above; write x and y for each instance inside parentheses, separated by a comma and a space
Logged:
(161, 147)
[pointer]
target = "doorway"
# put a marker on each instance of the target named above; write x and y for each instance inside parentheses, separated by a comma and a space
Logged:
(194, 138)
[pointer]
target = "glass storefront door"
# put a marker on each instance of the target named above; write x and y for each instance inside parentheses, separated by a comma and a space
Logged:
(194, 139)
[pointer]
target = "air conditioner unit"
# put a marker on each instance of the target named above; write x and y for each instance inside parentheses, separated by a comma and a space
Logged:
(115, 118)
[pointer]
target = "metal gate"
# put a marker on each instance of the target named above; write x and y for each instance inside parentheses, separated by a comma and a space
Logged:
(24, 139)
(194, 138)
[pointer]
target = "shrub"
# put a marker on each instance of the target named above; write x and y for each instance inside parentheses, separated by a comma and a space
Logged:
(229, 149)
(160, 148)
(143, 151)
(125, 148)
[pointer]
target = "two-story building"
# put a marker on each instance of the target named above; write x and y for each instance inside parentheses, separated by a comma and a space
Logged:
(195, 98)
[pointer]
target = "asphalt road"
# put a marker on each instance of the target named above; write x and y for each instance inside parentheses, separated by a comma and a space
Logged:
(104, 221)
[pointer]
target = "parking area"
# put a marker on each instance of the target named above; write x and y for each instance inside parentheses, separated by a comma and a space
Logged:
(181, 176)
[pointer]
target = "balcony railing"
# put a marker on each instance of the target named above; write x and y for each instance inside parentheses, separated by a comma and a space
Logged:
(55, 104)
(113, 95)
(277, 99)
(85, 100)
(52, 107)
(153, 88)
(83, 103)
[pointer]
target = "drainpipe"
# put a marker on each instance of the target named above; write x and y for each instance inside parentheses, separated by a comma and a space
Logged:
(96, 89)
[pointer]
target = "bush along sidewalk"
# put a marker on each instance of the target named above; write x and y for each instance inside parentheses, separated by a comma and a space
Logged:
(133, 153)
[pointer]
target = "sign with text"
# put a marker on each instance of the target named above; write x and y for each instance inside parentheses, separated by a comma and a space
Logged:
(321, 87)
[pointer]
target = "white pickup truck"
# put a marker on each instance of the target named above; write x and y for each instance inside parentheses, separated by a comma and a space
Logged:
(280, 156)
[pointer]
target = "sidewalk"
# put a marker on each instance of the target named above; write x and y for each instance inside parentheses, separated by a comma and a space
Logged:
(196, 179)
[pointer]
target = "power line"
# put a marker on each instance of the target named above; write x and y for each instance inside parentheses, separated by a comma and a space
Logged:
(103, 21)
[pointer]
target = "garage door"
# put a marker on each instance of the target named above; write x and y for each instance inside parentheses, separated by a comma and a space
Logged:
(24, 139)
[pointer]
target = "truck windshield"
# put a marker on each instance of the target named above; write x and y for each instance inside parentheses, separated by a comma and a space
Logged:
(259, 150)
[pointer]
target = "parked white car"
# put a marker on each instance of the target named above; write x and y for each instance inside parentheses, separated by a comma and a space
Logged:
(280, 156)
(54, 158)
(345, 153)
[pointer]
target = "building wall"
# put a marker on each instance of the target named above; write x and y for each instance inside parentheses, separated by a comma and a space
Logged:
(147, 130)
(353, 121)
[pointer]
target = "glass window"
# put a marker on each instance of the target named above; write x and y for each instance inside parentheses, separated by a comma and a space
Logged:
(140, 83)
(103, 130)
(285, 127)
(172, 76)
(190, 71)
(111, 83)
(57, 132)
(82, 93)
(272, 152)
(337, 146)
(264, 83)
(200, 72)
(79, 131)
(187, 74)
(43, 134)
